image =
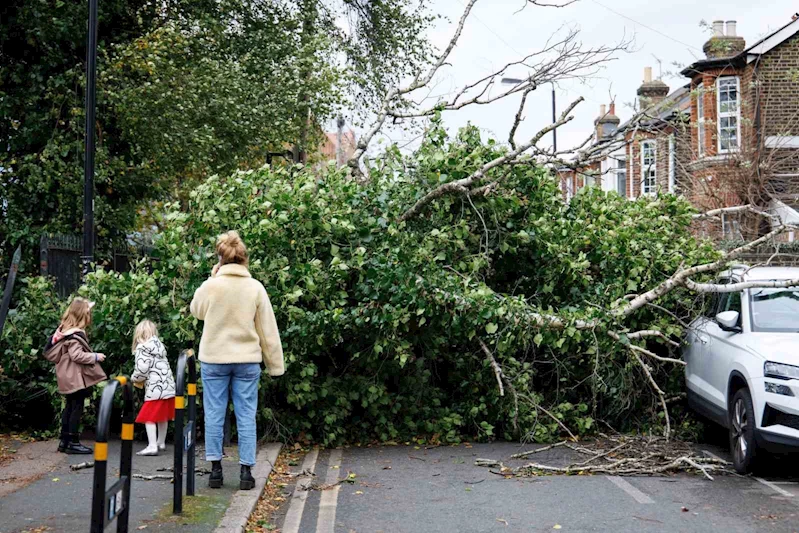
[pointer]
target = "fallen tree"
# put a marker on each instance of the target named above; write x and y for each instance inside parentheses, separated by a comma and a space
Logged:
(452, 293)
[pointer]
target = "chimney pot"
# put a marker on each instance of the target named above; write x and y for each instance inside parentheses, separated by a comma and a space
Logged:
(731, 28)
(602, 110)
(718, 28)
(647, 74)
(613, 108)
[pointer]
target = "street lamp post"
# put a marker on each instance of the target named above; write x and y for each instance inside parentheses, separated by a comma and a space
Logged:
(88, 160)
(516, 81)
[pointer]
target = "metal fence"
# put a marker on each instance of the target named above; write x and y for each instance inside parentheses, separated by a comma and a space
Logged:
(60, 258)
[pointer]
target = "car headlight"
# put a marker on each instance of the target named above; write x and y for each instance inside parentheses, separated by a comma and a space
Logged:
(780, 371)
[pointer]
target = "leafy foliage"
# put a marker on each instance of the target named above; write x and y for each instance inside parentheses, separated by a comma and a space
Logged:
(381, 321)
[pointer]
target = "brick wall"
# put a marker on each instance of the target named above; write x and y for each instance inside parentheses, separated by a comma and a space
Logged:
(778, 82)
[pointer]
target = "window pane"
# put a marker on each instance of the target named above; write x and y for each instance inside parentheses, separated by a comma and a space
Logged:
(734, 302)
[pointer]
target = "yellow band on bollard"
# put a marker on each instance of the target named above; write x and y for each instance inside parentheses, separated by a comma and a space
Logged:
(100, 451)
(122, 380)
(192, 389)
(179, 402)
(127, 431)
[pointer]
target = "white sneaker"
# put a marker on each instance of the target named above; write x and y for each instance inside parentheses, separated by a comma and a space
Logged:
(148, 451)
(162, 447)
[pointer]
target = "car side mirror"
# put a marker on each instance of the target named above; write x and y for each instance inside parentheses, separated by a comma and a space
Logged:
(728, 321)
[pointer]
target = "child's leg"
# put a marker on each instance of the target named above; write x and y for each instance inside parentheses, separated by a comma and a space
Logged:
(65, 416)
(76, 399)
(152, 446)
(151, 436)
(162, 433)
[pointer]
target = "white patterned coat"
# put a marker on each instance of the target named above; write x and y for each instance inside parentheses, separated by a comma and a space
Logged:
(152, 368)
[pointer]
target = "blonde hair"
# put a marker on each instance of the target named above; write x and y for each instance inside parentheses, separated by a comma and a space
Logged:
(145, 330)
(230, 249)
(78, 315)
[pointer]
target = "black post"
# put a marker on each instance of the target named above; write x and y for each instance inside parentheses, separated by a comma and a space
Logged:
(554, 119)
(177, 467)
(114, 502)
(88, 164)
(126, 453)
(12, 276)
(192, 435)
(184, 437)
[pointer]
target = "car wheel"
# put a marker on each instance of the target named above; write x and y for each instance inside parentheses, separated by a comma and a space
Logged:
(742, 432)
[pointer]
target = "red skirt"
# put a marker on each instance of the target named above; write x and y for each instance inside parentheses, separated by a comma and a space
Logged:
(155, 411)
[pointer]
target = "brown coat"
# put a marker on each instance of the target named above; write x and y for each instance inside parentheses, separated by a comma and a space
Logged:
(76, 365)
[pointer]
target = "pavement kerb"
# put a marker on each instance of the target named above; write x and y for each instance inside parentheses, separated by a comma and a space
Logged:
(244, 501)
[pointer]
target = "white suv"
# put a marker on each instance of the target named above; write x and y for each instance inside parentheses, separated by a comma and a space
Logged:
(743, 364)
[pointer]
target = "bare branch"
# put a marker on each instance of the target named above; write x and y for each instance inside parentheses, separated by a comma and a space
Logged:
(494, 365)
(715, 213)
(737, 287)
(518, 119)
(682, 277)
(660, 393)
(421, 82)
(461, 186)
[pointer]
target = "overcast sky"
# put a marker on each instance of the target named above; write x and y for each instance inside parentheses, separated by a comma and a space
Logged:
(498, 33)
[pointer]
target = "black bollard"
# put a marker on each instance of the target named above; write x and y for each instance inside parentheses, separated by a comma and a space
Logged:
(114, 502)
(184, 436)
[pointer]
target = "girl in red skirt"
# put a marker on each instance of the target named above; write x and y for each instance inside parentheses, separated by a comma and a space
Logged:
(152, 372)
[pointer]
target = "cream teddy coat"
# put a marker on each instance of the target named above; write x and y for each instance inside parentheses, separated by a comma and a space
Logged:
(240, 324)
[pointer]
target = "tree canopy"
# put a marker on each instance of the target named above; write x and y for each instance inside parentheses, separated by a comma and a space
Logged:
(186, 89)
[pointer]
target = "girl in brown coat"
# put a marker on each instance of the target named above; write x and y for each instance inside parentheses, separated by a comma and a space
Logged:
(77, 368)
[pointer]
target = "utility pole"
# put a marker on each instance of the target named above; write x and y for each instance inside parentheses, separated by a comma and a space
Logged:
(554, 119)
(88, 160)
(339, 139)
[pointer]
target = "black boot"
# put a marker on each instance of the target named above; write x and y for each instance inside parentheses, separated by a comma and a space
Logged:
(216, 479)
(64, 443)
(247, 481)
(73, 446)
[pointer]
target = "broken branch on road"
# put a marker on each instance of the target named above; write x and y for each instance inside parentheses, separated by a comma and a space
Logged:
(637, 456)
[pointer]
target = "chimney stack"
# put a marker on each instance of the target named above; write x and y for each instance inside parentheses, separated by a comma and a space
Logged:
(651, 92)
(607, 122)
(723, 45)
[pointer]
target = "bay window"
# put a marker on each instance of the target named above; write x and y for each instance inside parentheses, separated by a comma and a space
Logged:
(700, 120)
(729, 113)
(621, 177)
(648, 167)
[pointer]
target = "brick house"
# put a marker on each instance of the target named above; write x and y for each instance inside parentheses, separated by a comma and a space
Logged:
(644, 158)
(728, 137)
(745, 117)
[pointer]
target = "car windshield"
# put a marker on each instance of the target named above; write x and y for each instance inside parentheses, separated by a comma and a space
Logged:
(775, 310)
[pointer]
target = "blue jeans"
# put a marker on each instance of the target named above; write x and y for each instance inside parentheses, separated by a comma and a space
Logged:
(217, 382)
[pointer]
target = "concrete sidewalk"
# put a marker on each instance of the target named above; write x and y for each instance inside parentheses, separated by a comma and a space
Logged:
(41, 491)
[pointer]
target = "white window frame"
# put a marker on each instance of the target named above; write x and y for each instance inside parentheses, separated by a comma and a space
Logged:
(621, 168)
(672, 165)
(728, 114)
(700, 120)
(649, 171)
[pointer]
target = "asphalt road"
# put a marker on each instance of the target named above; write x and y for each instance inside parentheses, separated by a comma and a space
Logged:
(440, 490)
